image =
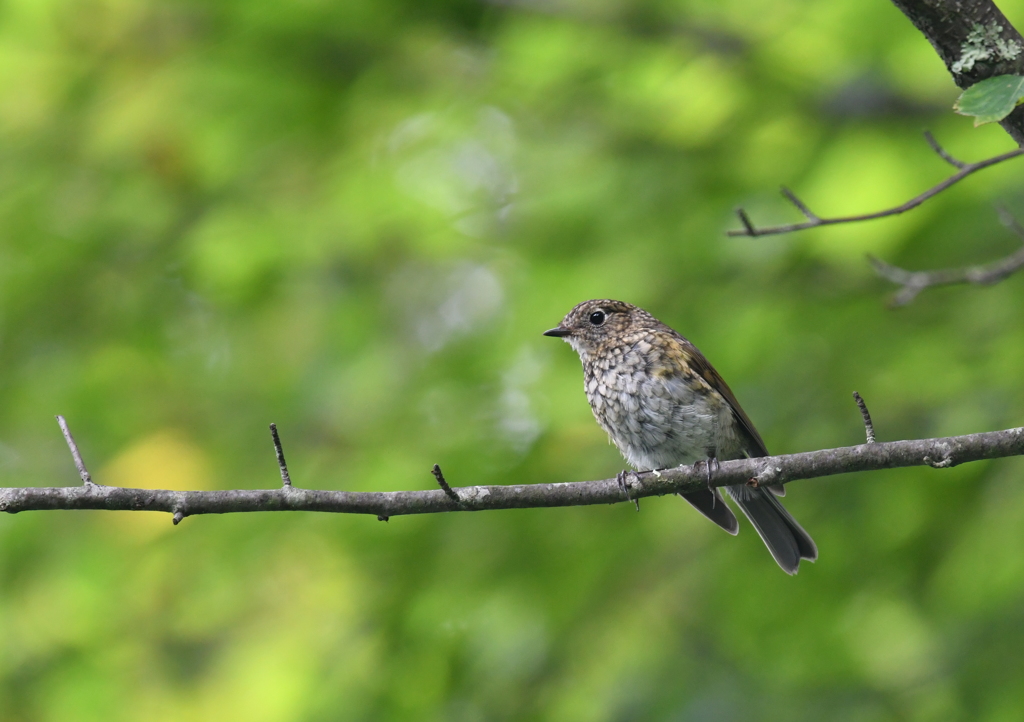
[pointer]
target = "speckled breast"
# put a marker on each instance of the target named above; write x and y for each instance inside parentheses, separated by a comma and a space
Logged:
(657, 415)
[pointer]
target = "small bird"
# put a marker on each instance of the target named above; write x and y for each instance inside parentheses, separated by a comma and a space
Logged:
(664, 405)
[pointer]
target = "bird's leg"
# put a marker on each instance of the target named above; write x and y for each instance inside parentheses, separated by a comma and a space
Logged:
(708, 464)
(712, 460)
(712, 465)
(623, 480)
(620, 478)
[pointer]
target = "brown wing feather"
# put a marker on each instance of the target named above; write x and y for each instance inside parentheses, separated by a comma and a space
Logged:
(700, 365)
(755, 444)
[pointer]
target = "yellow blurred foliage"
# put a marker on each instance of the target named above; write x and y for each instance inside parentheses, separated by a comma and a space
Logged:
(165, 459)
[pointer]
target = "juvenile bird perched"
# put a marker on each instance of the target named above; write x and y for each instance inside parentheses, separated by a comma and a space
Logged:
(664, 405)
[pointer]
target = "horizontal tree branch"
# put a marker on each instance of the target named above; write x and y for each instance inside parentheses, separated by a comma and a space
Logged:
(939, 453)
(814, 221)
(914, 282)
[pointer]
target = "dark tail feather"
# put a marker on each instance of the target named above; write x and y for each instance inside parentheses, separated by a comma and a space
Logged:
(710, 504)
(784, 537)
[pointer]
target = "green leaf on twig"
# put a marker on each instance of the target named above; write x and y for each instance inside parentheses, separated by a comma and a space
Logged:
(991, 99)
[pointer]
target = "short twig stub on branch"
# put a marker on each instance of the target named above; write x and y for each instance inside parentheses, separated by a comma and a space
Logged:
(869, 428)
(436, 471)
(75, 455)
(286, 478)
(814, 221)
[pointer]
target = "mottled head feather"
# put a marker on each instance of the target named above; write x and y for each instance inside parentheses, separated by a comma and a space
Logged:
(591, 324)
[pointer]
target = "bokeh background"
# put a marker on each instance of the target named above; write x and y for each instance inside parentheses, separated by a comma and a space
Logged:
(355, 219)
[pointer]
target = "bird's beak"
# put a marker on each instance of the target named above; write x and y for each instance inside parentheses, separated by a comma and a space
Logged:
(558, 332)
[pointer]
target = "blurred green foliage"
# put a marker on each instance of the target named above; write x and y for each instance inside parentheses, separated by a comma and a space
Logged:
(355, 219)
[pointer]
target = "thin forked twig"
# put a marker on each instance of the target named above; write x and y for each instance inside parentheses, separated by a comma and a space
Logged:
(286, 479)
(869, 428)
(941, 152)
(814, 221)
(800, 205)
(79, 464)
(449, 492)
(913, 282)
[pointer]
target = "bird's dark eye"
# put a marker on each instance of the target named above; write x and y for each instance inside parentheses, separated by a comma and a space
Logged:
(597, 318)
